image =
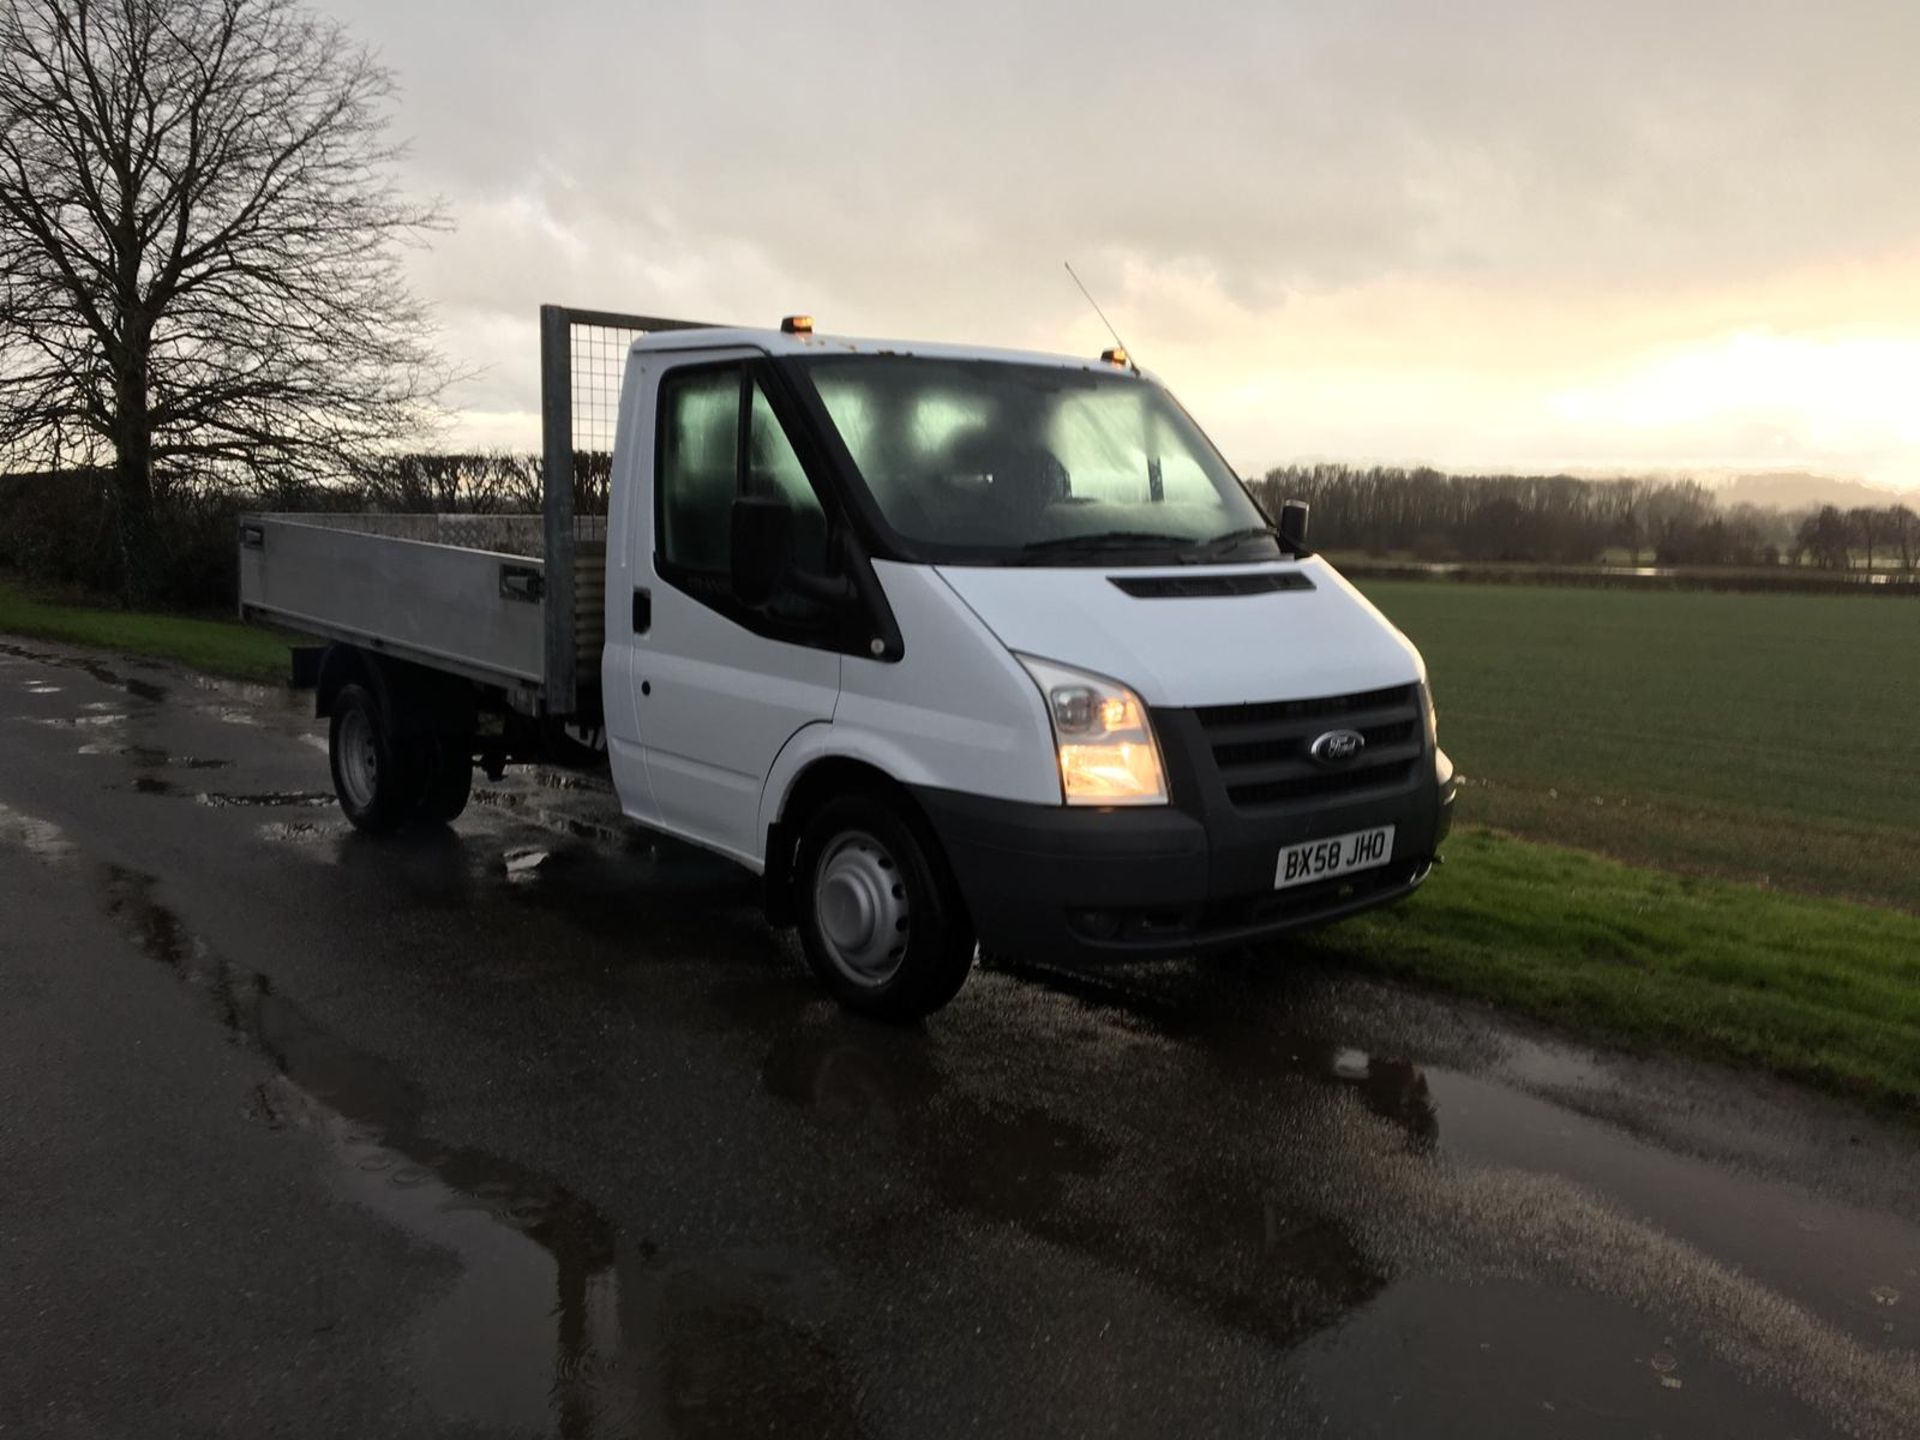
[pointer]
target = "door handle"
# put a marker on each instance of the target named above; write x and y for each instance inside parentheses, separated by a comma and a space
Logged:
(642, 611)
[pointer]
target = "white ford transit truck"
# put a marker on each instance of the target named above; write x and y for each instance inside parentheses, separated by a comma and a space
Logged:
(951, 646)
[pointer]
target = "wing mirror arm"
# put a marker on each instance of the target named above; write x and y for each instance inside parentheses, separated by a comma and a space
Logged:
(827, 589)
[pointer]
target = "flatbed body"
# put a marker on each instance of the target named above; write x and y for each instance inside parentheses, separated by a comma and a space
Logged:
(464, 594)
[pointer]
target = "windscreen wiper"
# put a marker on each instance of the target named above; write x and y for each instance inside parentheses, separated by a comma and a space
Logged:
(1219, 544)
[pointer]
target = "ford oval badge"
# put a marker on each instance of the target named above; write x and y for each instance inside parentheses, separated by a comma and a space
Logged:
(1336, 747)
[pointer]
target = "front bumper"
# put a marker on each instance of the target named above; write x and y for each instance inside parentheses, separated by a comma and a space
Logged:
(1138, 883)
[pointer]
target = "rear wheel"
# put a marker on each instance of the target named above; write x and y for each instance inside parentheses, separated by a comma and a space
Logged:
(376, 779)
(449, 779)
(881, 920)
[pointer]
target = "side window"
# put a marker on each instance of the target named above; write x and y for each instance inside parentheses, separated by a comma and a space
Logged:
(702, 469)
(774, 469)
(699, 467)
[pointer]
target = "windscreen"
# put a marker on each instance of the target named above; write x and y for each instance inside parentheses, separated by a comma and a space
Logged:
(995, 460)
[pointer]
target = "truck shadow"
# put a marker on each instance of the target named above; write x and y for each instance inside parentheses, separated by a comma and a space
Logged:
(1170, 1198)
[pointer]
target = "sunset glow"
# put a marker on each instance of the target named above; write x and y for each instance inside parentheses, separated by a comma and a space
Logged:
(1517, 237)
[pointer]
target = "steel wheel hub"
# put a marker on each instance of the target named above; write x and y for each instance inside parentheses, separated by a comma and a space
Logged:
(860, 899)
(359, 759)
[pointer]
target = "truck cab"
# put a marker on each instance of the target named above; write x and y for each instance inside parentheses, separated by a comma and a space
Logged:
(994, 646)
(958, 646)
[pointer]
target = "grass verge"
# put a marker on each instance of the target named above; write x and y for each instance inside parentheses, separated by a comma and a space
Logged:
(220, 647)
(1811, 989)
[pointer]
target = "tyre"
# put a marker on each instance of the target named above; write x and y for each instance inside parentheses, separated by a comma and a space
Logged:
(881, 920)
(449, 778)
(377, 780)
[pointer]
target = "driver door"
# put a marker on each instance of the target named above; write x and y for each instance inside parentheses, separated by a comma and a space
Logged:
(718, 691)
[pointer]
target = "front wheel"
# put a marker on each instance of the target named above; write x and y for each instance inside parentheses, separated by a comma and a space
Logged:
(881, 920)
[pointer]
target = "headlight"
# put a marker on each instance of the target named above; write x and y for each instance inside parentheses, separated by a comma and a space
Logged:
(1108, 755)
(1433, 716)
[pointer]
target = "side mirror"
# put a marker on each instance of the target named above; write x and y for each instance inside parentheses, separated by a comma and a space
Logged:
(762, 557)
(1293, 526)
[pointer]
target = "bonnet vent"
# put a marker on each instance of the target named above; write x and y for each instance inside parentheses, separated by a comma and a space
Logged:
(1184, 587)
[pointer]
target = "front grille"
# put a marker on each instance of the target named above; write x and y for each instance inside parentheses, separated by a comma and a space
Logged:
(1263, 756)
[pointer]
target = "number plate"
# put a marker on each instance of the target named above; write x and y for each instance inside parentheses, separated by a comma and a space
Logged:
(1335, 855)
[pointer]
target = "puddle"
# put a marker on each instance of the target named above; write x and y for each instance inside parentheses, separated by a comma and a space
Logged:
(1262, 1264)
(304, 832)
(152, 785)
(41, 839)
(531, 1336)
(248, 692)
(149, 757)
(1553, 1068)
(144, 690)
(558, 1323)
(139, 689)
(269, 800)
(1493, 1175)
(1251, 1031)
(231, 714)
(547, 778)
(609, 829)
(523, 865)
(1351, 1064)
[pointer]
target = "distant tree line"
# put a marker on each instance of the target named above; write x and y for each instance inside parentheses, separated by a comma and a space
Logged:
(1569, 520)
(60, 527)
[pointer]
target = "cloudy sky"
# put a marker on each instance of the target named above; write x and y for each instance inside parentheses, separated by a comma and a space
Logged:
(1483, 233)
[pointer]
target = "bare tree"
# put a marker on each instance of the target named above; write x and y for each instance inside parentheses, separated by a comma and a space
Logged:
(199, 248)
(1630, 500)
(1827, 538)
(1904, 527)
(1866, 523)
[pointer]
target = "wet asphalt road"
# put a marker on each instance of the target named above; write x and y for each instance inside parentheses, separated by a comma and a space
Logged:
(533, 1128)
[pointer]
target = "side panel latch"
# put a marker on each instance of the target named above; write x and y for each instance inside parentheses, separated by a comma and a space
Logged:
(522, 582)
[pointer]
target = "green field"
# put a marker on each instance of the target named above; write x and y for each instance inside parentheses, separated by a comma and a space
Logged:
(220, 647)
(1773, 738)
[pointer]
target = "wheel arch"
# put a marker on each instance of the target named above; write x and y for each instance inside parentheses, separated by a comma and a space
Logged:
(414, 699)
(816, 781)
(341, 666)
